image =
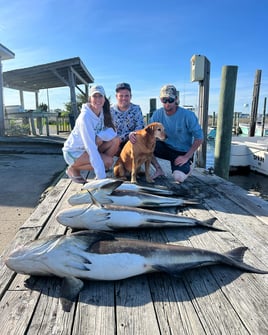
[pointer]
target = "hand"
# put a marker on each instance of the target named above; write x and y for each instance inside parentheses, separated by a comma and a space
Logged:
(132, 137)
(181, 160)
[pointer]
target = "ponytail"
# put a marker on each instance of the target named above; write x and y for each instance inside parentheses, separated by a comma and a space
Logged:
(108, 122)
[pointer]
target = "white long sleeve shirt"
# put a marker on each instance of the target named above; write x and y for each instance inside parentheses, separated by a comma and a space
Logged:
(82, 138)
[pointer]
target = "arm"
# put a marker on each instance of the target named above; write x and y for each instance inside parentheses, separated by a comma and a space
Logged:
(139, 123)
(89, 139)
(180, 160)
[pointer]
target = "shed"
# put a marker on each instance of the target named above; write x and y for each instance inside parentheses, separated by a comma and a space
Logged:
(69, 72)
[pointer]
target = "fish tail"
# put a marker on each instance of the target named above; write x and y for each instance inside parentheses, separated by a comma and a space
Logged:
(235, 258)
(210, 224)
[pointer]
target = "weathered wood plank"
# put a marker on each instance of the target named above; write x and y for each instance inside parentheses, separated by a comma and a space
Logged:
(16, 311)
(135, 312)
(95, 313)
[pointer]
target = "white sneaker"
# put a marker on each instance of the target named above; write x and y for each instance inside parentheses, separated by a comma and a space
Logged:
(179, 176)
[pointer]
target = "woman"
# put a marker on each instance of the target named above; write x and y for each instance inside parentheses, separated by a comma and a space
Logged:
(93, 142)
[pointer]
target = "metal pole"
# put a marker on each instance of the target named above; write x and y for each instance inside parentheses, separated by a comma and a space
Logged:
(225, 122)
(203, 114)
(2, 112)
(263, 117)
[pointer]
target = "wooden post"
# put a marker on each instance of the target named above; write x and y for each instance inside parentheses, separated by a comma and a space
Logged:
(152, 108)
(203, 114)
(255, 101)
(225, 122)
(214, 121)
(263, 117)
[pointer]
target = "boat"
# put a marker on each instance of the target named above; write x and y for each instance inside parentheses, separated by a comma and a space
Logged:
(251, 152)
(242, 130)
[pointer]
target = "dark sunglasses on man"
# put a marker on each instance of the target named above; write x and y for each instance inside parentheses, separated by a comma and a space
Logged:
(169, 100)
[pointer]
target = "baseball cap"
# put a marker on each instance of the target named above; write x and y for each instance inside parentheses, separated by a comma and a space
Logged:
(96, 89)
(168, 91)
(123, 86)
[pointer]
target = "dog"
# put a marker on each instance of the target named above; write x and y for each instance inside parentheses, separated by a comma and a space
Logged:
(134, 155)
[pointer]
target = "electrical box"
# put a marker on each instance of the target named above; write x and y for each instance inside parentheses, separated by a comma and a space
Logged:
(197, 68)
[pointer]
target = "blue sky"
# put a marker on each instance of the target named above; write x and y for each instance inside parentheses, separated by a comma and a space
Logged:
(147, 43)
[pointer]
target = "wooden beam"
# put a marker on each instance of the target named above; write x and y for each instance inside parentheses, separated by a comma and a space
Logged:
(78, 75)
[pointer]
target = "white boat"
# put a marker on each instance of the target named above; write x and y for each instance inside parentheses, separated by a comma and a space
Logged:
(250, 152)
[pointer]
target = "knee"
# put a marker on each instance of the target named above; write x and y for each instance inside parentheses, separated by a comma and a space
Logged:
(108, 162)
(116, 141)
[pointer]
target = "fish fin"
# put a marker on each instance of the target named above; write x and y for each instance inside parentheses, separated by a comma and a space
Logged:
(237, 254)
(70, 289)
(210, 224)
(102, 197)
(112, 185)
(94, 201)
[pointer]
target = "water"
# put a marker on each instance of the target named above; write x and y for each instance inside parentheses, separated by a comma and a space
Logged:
(254, 182)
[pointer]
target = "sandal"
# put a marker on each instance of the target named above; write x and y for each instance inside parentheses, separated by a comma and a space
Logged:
(76, 179)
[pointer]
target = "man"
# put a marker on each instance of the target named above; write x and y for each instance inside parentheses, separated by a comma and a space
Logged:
(127, 117)
(184, 135)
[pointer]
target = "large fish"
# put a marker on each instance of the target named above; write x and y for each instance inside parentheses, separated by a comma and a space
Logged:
(93, 255)
(110, 217)
(109, 194)
(120, 185)
(110, 185)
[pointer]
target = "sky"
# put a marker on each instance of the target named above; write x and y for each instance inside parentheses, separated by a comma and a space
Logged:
(147, 43)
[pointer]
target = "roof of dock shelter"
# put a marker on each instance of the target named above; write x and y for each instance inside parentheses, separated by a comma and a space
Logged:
(50, 75)
(5, 53)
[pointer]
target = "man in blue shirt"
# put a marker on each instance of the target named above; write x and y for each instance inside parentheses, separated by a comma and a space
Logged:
(184, 135)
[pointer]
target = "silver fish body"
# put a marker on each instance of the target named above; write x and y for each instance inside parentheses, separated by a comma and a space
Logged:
(130, 199)
(120, 185)
(93, 255)
(108, 193)
(110, 217)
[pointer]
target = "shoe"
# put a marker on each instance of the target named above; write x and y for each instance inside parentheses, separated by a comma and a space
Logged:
(179, 176)
(76, 179)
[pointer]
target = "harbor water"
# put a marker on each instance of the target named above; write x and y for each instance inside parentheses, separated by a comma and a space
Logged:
(254, 182)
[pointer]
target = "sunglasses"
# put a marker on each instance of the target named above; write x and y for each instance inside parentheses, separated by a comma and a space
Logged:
(169, 100)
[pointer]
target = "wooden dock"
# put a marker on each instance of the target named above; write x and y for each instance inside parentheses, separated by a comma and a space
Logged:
(210, 300)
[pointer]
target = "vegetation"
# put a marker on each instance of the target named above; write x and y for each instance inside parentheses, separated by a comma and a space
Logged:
(80, 99)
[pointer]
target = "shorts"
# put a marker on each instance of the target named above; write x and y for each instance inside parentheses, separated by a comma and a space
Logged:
(71, 156)
(163, 151)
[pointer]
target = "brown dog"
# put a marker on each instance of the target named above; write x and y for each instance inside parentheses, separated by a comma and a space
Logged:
(134, 155)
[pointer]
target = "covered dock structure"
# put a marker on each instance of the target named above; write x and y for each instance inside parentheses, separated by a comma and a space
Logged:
(68, 72)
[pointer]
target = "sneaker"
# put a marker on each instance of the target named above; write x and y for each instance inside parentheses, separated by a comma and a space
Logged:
(179, 176)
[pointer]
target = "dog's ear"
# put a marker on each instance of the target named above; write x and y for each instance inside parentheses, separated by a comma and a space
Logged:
(150, 129)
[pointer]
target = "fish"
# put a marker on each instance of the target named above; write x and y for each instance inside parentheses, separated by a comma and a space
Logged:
(126, 186)
(96, 255)
(83, 197)
(131, 199)
(108, 194)
(111, 218)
